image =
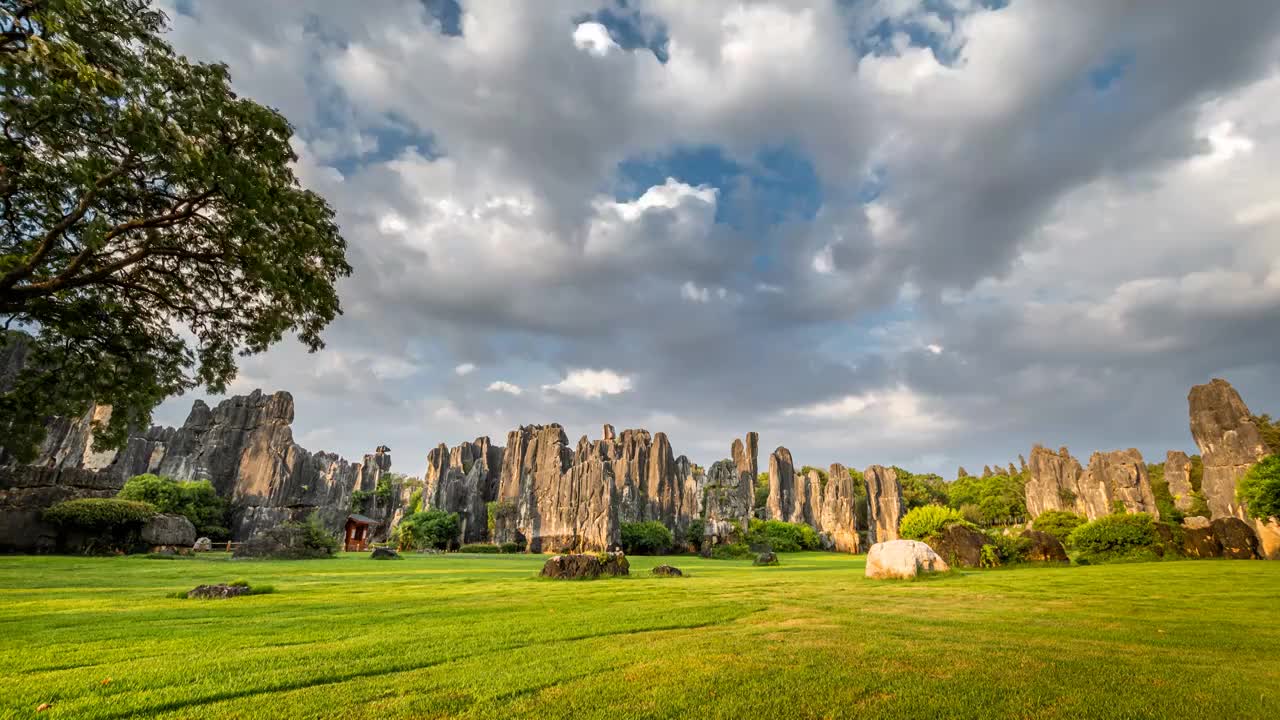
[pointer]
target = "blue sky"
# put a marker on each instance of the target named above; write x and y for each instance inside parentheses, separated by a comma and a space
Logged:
(921, 233)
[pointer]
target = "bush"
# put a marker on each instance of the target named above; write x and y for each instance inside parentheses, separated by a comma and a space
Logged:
(731, 551)
(415, 502)
(1058, 523)
(360, 500)
(196, 500)
(426, 529)
(1260, 488)
(646, 538)
(314, 535)
(1001, 549)
(511, 547)
(291, 541)
(695, 532)
(929, 520)
(100, 513)
(783, 536)
(103, 525)
(1115, 536)
(485, 548)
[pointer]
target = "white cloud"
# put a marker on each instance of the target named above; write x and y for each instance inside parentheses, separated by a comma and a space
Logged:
(693, 293)
(591, 384)
(504, 387)
(592, 37)
(465, 369)
(934, 348)
(899, 409)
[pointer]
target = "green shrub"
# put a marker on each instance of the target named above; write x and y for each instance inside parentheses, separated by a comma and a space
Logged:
(782, 536)
(262, 589)
(360, 500)
(1001, 549)
(1115, 536)
(1058, 523)
(194, 499)
(511, 547)
(100, 513)
(1260, 488)
(646, 538)
(731, 551)
(928, 520)
(486, 548)
(500, 513)
(694, 533)
(314, 535)
(238, 582)
(415, 502)
(426, 529)
(103, 525)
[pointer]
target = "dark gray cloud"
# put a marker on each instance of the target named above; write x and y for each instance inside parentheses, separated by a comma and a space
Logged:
(1041, 226)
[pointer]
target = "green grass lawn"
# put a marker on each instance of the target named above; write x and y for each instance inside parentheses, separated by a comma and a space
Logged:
(481, 636)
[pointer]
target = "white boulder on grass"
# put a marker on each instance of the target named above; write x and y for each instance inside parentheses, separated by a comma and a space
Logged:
(903, 559)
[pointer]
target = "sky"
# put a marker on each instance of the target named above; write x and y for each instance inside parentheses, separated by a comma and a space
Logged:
(927, 234)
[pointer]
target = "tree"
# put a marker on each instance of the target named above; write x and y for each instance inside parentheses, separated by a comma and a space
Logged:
(194, 499)
(151, 225)
(1270, 431)
(1259, 489)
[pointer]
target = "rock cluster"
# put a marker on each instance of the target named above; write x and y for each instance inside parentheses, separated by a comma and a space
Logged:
(244, 446)
(218, 592)
(729, 492)
(169, 533)
(1056, 481)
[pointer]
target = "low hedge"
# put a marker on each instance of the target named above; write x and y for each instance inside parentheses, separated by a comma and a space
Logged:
(1114, 537)
(485, 548)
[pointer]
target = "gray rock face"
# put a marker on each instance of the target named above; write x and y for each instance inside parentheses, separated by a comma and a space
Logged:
(729, 491)
(884, 503)
(560, 502)
(244, 447)
(839, 517)
(1053, 481)
(26, 492)
(462, 480)
(788, 495)
(1116, 479)
(1229, 443)
(171, 530)
(1177, 473)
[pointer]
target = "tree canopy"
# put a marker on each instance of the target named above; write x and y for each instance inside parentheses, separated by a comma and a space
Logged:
(151, 224)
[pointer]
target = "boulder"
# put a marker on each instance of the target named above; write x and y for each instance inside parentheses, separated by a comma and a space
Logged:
(218, 592)
(884, 503)
(766, 558)
(959, 545)
(1196, 522)
(667, 571)
(571, 567)
(1044, 547)
(1236, 537)
(1198, 541)
(384, 553)
(203, 544)
(903, 559)
(171, 530)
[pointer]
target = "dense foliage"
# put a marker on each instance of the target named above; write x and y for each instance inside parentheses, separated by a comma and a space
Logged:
(427, 529)
(1260, 488)
(1058, 523)
(100, 513)
(929, 520)
(762, 491)
(1114, 536)
(646, 538)
(196, 500)
(151, 224)
(782, 536)
(693, 534)
(1270, 431)
(990, 500)
(480, 548)
(1001, 549)
(314, 535)
(921, 490)
(105, 524)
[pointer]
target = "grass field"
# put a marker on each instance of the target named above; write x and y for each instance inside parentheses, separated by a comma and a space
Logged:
(481, 636)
